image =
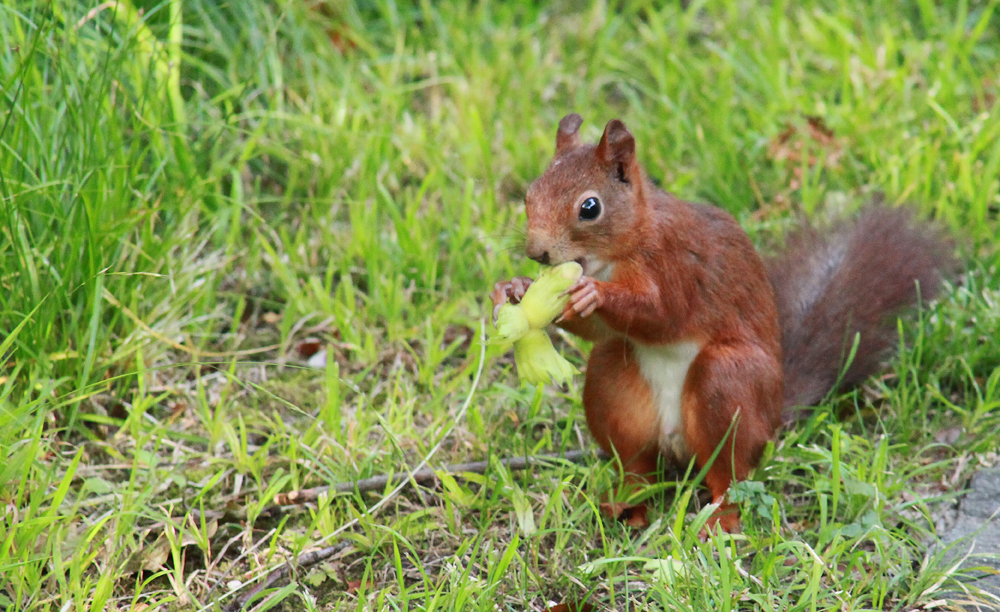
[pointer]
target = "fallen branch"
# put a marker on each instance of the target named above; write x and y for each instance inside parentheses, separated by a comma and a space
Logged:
(306, 560)
(425, 475)
(375, 483)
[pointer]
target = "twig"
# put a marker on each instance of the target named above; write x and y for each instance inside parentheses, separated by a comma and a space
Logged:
(237, 560)
(376, 483)
(239, 602)
(305, 560)
(311, 558)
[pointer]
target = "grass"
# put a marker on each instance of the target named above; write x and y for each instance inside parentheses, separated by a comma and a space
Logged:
(191, 190)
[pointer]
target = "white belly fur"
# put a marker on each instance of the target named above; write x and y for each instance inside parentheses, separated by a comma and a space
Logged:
(665, 367)
(599, 269)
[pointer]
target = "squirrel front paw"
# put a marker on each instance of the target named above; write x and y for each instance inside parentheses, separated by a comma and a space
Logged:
(584, 299)
(509, 291)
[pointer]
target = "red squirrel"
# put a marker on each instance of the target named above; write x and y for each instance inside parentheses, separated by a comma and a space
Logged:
(697, 340)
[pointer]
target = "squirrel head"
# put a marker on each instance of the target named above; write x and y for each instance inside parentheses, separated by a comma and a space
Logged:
(589, 205)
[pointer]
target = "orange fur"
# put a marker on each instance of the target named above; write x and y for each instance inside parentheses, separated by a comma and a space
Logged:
(621, 416)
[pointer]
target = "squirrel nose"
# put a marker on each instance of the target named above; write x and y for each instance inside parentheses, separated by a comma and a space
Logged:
(542, 259)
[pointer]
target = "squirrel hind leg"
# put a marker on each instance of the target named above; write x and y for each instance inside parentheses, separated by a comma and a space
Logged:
(620, 411)
(727, 383)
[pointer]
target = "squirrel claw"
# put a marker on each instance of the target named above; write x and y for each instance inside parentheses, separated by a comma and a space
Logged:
(584, 299)
(508, 291)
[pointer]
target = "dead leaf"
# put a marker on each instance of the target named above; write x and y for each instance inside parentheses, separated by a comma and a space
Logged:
(342, 43)
(570, 607)
(822, 144)
(819, 132)
(353, 586)
(633, 515)
(308, 347)
(153, 557)
(176, 409)
(150, 557)
(338, 32)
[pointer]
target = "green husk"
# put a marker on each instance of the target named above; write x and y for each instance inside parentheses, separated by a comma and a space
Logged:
(512, 323)
(537, 360)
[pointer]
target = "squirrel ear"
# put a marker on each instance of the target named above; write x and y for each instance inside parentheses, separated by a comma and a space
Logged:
(617, 148)
(568, 136)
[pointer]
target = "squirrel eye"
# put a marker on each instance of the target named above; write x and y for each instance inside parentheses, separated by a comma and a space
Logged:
(590, 209)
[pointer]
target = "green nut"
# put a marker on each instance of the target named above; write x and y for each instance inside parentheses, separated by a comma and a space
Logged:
(512, 323)
(545, 299)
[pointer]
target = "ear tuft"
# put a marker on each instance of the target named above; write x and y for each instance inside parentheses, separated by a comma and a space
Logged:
(617, 145)
(568, 136)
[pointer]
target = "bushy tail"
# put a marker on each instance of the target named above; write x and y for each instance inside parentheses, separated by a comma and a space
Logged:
(849, 279)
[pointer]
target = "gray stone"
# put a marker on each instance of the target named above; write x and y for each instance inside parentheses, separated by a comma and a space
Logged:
(983, 498)
(977, 524)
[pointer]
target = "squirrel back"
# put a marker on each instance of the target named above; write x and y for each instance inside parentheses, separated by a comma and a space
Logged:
(834, 283)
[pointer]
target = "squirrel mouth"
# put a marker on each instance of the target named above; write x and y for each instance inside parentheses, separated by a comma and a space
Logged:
(586, 264)
(596, 267)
